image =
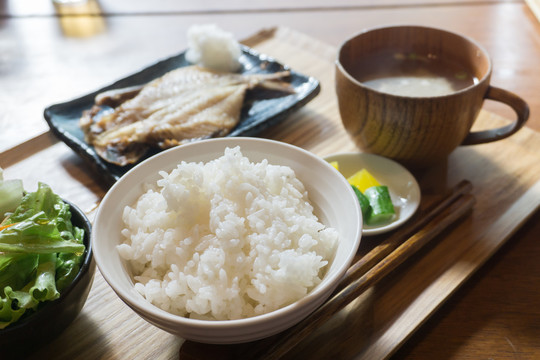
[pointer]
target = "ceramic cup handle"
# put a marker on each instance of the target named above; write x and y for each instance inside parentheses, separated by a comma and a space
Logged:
(516, 103)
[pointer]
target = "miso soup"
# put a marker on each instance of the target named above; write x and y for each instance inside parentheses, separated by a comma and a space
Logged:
(413, 75)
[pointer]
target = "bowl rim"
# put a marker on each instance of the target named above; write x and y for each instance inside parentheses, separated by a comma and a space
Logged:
(327, 283)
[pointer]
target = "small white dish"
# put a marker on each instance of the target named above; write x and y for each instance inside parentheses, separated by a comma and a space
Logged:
(403, 187)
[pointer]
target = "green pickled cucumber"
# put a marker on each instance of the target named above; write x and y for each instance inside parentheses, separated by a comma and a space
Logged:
(381, 207)
(364, 202)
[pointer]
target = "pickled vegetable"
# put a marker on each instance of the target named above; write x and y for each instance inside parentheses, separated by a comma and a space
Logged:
(364, 202)
(374, 198)
(381, 207)
(363, 180)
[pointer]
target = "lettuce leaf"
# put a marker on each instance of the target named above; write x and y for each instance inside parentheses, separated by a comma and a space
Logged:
(40, 253)
(10, 312)
(41, 224)
(68, 265)
(44, 287)
(16, 270)
(38, 235)
(11, 194)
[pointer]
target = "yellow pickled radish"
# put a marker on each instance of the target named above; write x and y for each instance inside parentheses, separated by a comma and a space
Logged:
(363, 180)
(335, 165)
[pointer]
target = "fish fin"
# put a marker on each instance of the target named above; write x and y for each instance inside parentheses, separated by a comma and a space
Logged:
(115, 97)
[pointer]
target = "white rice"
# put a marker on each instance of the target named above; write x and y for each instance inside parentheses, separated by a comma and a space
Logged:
(213, 48)
(228, 239)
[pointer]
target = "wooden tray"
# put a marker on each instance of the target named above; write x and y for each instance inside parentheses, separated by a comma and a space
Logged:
(506, 183)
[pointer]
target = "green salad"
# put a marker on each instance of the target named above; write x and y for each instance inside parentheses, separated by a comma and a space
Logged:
(40, 250)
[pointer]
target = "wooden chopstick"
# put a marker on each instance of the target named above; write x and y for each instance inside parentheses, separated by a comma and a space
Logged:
(359, 279)
(388, 245)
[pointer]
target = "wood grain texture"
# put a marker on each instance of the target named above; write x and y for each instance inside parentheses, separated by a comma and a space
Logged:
(494, 315)
(38, 71)
(376, 324)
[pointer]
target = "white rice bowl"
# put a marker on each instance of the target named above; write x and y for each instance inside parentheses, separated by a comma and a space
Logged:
(225, 240)
(331, 196)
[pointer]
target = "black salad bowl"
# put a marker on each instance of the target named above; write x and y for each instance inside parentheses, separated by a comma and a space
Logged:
(29, 334)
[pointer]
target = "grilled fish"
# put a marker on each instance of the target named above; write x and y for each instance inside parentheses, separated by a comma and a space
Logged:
(183, 105)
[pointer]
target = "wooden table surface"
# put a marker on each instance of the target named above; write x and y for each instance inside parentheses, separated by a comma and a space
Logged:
(47, 57)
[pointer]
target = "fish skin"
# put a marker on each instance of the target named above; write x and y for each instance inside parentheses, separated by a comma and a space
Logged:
(183, 105)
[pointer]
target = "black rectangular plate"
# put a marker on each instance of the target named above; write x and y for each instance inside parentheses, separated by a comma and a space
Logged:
(257, 114)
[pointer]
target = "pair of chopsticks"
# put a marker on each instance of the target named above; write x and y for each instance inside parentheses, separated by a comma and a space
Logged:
(374, 266)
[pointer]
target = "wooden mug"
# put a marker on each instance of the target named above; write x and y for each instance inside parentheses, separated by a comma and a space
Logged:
(417, 130)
